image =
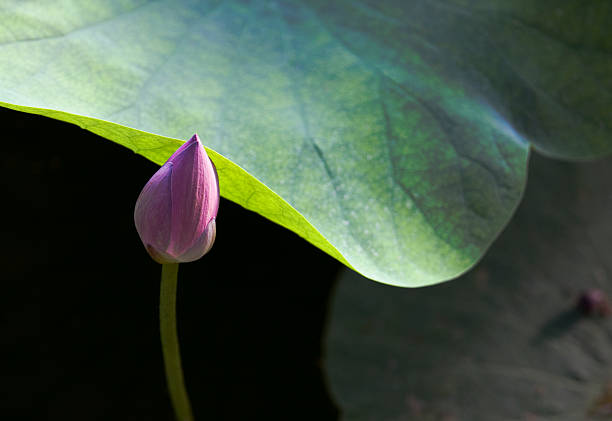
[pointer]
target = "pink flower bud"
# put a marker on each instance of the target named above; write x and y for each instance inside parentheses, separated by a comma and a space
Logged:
(176, 210)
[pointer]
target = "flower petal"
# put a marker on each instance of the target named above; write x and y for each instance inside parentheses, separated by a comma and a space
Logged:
(202, 244)
(154, 208)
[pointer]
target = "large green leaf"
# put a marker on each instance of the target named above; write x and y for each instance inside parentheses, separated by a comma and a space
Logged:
(506, 342)
(393, 135)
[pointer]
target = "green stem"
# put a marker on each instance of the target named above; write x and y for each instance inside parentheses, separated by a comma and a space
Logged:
(170, 345)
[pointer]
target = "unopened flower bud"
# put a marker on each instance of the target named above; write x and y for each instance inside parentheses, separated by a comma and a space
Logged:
(176, 210)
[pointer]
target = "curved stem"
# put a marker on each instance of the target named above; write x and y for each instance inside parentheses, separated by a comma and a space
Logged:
(170, 345)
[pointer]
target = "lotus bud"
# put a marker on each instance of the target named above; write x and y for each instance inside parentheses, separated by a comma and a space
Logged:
(176, 210)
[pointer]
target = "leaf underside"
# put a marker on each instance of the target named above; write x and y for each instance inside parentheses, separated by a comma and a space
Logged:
(393, 135)
(504, 342)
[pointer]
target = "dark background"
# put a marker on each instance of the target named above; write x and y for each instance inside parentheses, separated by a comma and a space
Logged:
(78, 314)
(78, 311)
